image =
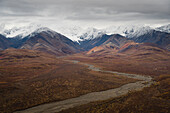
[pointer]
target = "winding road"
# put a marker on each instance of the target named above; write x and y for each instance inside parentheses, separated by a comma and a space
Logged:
(94, 96)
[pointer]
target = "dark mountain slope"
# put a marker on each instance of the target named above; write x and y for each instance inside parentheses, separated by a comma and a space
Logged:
(115, 40)
(50, 42)
(4, 42)
(89, 44)
(113, 44)
(156, 37)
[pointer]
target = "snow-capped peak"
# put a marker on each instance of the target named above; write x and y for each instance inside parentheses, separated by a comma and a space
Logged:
(76, 33)
(22, 31)
(91, 33)
(129, 31)
(39, 30)
(165, 28)
(71, 32)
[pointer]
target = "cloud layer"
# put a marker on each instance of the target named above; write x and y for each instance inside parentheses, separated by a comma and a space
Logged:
(96, 13)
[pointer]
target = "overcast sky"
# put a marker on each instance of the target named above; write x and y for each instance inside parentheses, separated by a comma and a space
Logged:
(87, 13)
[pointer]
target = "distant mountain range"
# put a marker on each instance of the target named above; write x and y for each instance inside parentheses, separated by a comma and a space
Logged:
(36, 37)
(76, 33)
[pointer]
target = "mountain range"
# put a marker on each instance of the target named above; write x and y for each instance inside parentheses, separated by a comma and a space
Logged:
(36, 37)
(77, 33)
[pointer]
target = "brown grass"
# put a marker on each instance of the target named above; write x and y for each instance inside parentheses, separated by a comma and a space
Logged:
(145, 63)
(29, 78)
(154, 99)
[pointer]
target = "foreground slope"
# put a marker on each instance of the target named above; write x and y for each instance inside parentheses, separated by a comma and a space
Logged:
(30, 78)
(94, 96)
(154, 99)
(146, 59)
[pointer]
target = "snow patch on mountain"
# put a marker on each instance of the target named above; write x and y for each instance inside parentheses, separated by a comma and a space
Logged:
(91, 33)
(129, 31)
(165, 28)
(21, 31)
(72, 32)
(39, 30)
(77, 34)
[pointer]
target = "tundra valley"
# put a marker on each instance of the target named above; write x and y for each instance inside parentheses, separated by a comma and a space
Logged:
(91, 56)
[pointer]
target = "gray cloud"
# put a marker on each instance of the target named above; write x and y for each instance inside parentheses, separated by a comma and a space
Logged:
(86, 11)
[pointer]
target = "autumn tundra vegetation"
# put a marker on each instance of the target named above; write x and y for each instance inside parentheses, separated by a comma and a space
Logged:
(36, 70)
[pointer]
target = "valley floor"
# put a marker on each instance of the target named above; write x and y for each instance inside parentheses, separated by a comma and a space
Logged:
(30, 78)
(153, 99)
(94, 96)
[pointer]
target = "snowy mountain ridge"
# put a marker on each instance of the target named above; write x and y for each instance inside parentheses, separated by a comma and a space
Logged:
(77, 33)
(23, 31)
(165, 28)
(129, 31)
